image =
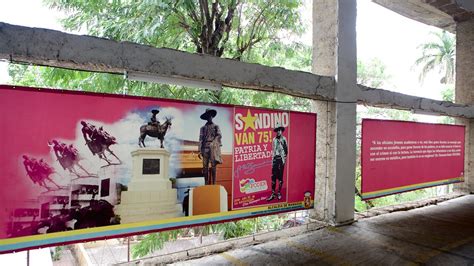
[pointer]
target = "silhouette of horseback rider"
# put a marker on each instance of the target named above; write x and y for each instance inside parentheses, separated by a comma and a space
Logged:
(105, 137)
(58, 147)
(88, 131)
(153, 120)
(30, 164)
(98, 141)
(72, 152)
(38, 171)
(68, 157)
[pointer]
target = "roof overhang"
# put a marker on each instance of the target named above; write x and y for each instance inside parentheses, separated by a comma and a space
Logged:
(443, 14)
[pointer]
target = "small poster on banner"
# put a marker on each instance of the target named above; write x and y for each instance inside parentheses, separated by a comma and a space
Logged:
(260, 154)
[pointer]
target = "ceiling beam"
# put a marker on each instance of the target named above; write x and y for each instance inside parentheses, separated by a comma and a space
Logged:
(57, 49)
(53, 48)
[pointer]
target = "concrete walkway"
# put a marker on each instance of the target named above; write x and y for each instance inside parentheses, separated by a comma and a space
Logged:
(442, 234)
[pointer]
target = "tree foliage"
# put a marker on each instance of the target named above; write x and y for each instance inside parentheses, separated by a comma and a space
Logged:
(372, 73)
(156, 241)
(229, 28)
(152, 242)
(447, 94)
(252, 31)
(438, 54)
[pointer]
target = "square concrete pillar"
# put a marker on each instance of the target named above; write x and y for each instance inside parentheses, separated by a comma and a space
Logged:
(465, 94)
(334, 54)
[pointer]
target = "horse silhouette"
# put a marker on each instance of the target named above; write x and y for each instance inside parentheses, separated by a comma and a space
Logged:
(39, 172)
(99, 146)
(68, 157)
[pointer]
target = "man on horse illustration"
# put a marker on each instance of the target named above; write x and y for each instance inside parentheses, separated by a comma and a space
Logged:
(68, 157)
(88, 131)
(39, 171)
(98, 141)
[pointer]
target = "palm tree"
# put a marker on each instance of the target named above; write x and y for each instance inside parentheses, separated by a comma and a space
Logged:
(438, 55)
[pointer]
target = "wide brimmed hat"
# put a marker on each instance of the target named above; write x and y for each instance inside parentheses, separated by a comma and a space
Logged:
(154, 111)
(278, 126)
(207, 113)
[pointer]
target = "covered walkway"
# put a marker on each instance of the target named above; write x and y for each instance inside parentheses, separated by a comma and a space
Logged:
(441, 234)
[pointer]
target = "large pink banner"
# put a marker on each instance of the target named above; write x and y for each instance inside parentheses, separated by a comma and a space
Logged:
(399, 156)
(79, 166)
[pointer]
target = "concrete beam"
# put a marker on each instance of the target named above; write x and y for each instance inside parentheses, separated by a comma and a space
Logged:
(58, 49)
(420, 11)
(388, 99)
(466, 4)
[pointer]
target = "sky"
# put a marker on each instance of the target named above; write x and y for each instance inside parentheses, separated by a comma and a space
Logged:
(381, 34)
(394, 39)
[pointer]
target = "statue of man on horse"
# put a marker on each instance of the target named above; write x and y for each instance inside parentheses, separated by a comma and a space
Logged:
(98, 141)
(154, 129)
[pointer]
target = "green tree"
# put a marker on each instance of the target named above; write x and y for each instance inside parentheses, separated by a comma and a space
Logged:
(155, 241)
(152, 242)
(228, 28)
(438, 54)
(447, 94)
(372, 73)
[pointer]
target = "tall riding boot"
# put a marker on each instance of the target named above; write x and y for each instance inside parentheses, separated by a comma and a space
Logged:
(205, 173)
(213, 174)
(280, 184)
(273, 195)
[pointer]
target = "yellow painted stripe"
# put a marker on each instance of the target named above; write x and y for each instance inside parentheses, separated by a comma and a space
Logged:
(16, 240)
(233, 259)
(411, 186)
(123, 226)
(330, 259)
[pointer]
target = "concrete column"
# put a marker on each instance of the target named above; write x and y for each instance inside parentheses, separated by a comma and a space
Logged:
(465, 93)
(334, 53)
(324, 37)
(325, 160)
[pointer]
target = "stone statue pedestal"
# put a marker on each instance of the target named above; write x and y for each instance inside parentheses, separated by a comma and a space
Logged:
(150, 195)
